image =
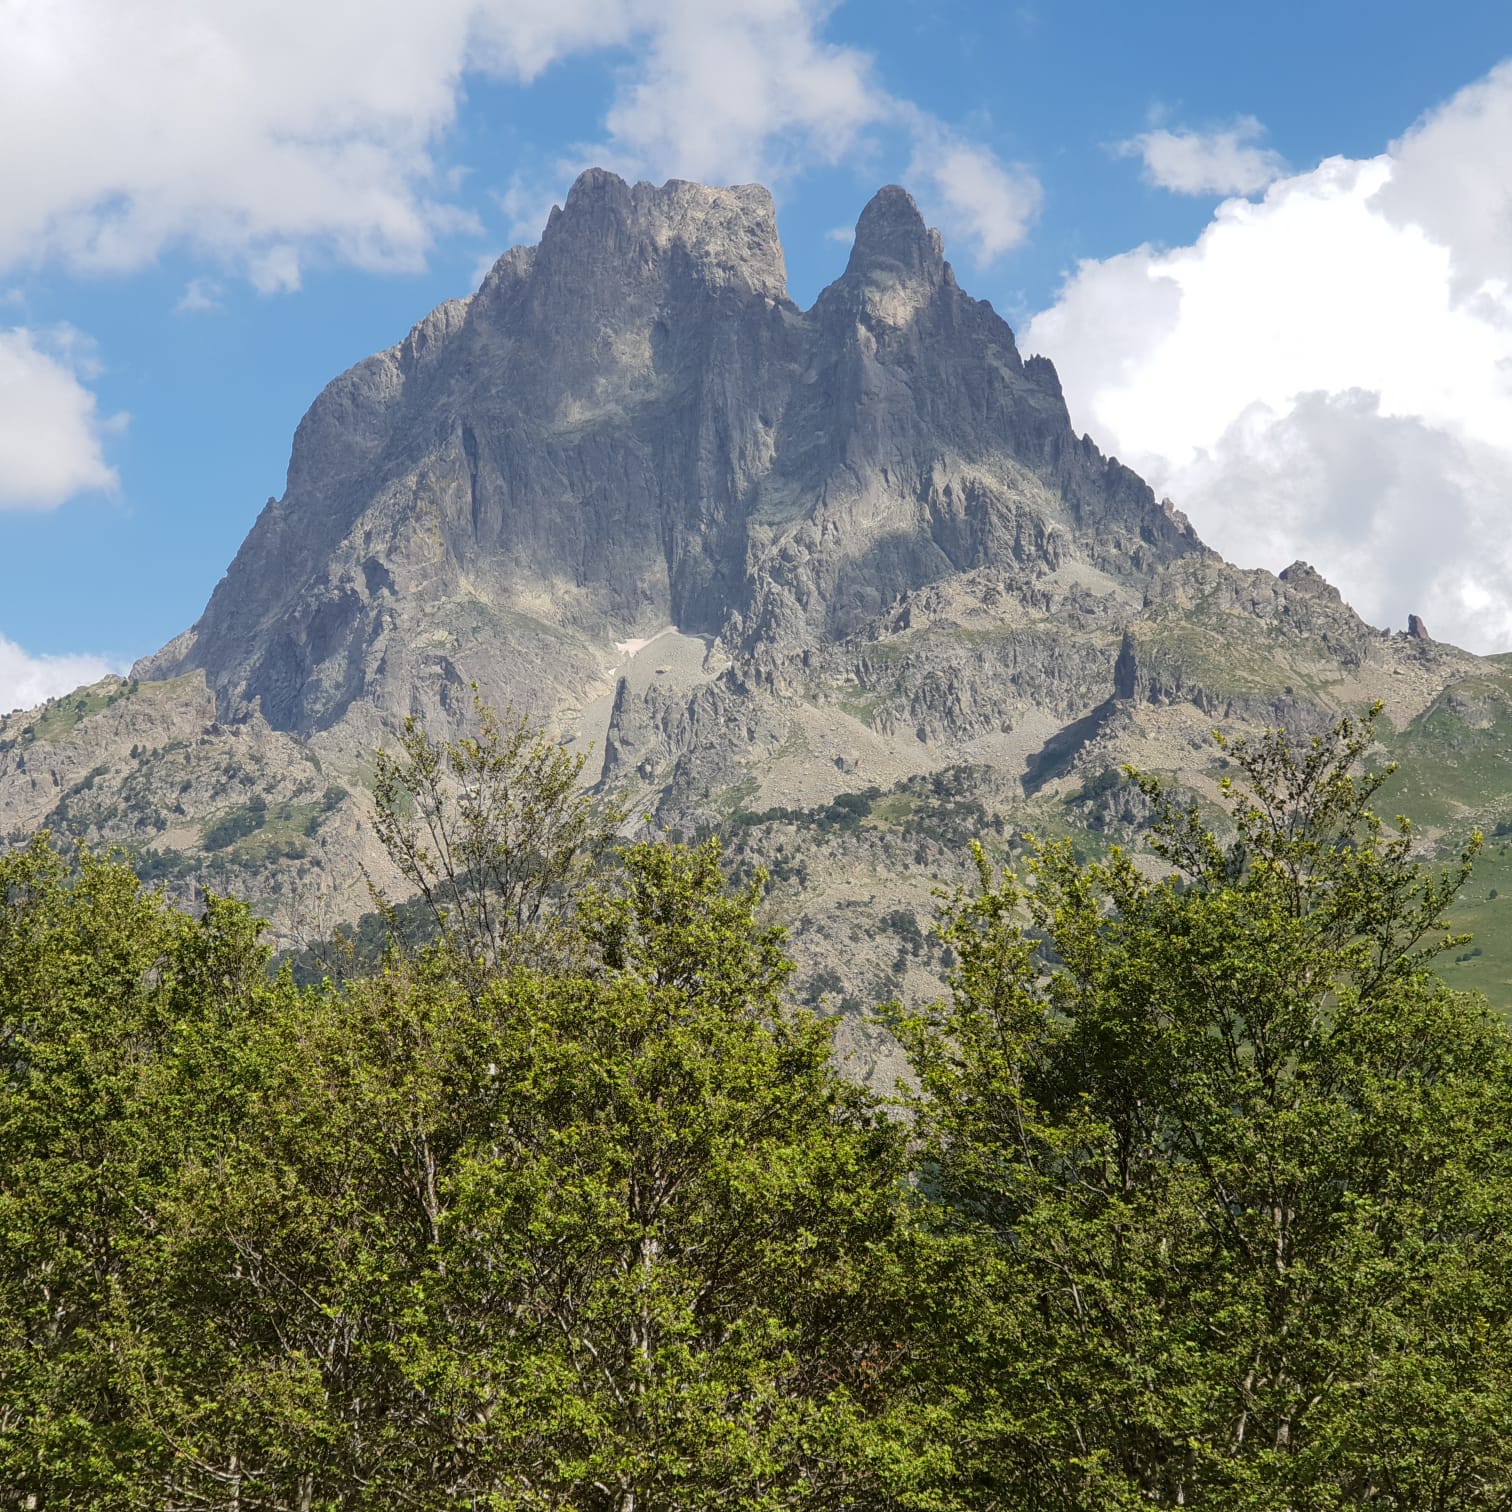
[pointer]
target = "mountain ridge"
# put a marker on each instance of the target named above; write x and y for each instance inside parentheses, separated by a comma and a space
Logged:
(885, 553)
(651, 324)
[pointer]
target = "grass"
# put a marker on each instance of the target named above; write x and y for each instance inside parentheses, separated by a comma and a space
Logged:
(850, 698)
(1226, 664)
(737, 797)
(863, 708)
(1485, 965)
(61, 716)
(893, 810)
(1456, 756)
(1456, 775)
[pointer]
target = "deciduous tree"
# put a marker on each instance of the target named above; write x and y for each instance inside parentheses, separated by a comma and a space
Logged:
(493, 832)
(1222, 1172)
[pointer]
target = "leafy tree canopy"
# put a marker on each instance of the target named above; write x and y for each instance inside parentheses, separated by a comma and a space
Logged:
(1200, 1195)
(493, 833)
(595, 1237)
(1228, 1181)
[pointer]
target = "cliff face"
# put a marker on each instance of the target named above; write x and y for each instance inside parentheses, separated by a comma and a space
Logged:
(630, 426)
(534, 472)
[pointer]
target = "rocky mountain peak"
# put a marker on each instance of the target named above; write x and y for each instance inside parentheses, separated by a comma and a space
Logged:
(1303, 577)
(631, 426)
(754, 558)
(723, 237)
(891, 238)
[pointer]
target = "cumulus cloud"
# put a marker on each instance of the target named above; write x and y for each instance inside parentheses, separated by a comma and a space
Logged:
(987, 203)
(51, 435)
(265, 132)
(26, 681)
(740, 90)
(1450, 173)
(1327, 373)
(1225, 161)
(749, 89)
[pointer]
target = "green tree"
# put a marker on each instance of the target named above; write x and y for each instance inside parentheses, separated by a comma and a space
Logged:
(668, 1262)
(101, 985)
(597, 1238)
(492, 832)
(1221, 1210)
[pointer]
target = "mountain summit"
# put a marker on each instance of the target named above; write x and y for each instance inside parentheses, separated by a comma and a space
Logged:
(631, 426)
(761, 557)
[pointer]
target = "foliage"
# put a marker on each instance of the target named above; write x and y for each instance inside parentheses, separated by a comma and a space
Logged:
(100, 987)
(236, 825)
(490, 831)
(844, 813)
(936, 807)
(1202, 1198)
(1222, 1212)
(591, 1240)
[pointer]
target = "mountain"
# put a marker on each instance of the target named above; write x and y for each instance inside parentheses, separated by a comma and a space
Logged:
(762, 557)
(631, 426)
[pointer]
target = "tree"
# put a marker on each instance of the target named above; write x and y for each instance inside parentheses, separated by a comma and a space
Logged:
(665, 1247)
(584, 1237)
(101, 987)
(492, 832)
(1210, 1204)
(1222, 1174)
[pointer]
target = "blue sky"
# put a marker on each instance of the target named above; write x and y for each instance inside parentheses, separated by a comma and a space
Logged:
(1268, 248)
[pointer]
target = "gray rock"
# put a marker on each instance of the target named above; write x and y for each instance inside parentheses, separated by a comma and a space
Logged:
(908, 570)
(632, 425)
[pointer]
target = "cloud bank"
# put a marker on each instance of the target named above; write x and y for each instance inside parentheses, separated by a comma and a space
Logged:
(51, 435)
(1327, 373)
(977, 198)
(26, 681)
(264, 133)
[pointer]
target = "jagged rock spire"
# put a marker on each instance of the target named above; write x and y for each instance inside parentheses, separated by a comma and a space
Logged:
(891, 236)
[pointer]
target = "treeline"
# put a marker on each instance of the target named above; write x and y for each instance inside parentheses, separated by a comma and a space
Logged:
(1200, 1196)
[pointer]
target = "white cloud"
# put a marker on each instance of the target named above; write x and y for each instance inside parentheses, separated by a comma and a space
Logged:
(127, 128)
(275, 269)
(1225, 161)
(1451, 173)
(51, 436)
(265, 133)
(749, 89)
(200, 295)
(26, 681)
(740, 90)
(1327, 373)
(987, 202)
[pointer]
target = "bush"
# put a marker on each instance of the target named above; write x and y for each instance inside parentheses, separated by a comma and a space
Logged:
(236, 825)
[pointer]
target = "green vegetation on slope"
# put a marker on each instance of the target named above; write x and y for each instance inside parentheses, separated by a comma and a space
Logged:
(1457, 756)
(60, 716)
